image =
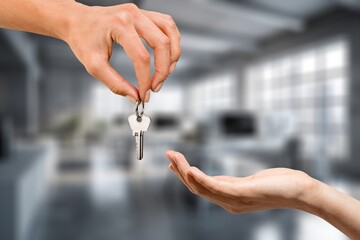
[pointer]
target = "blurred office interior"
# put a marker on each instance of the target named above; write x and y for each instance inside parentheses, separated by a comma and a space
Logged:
(260, 84)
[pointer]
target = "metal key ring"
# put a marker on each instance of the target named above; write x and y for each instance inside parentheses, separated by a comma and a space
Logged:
(139, 114)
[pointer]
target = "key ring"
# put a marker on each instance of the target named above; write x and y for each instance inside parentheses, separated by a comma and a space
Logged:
(139, 114)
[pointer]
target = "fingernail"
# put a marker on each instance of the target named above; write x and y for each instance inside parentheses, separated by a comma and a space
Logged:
(131, 99)
(147, 96)
(158, 87)
(172, 67)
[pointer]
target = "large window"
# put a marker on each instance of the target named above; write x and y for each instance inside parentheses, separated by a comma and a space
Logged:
(107, 105)
(214, 93)
(312, 86)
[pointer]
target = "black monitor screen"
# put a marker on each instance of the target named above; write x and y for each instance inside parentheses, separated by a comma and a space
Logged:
(166, 122)
(239, 124)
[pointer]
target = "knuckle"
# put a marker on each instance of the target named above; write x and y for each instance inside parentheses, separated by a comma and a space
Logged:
(163, 72)
(93, 66)
(164, 41)
(301, 173)
(172, 25)
(169, 19)
(123, 18)
(177, 55)
(144, 56)
(91, 69)
(131, 7)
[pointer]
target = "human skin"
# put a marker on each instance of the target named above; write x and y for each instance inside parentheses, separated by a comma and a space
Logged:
(91, 31)
(269, 189)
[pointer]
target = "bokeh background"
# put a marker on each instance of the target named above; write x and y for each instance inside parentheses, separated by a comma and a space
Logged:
(261, 84)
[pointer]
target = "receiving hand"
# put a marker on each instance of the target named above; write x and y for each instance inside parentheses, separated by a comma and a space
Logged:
(272, 188)
(93, 30)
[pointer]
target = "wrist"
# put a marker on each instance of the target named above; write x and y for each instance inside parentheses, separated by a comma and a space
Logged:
(64, 15)
(315, 199)
(335, 207)
(309, 197)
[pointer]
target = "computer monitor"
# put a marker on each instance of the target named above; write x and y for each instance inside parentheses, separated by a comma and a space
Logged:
(165, 122)
(238, 124)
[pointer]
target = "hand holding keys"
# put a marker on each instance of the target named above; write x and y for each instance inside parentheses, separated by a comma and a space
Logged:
(139, 123)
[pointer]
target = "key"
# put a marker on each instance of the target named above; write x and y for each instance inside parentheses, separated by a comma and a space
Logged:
(139, 125)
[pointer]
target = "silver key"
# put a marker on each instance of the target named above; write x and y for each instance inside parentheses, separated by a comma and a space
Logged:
(139, 125)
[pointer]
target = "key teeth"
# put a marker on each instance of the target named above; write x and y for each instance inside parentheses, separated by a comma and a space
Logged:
(139, 134)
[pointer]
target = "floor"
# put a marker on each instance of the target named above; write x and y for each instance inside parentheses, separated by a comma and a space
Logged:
(103, 198)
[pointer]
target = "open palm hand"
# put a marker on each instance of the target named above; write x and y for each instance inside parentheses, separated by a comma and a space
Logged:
(268, 189)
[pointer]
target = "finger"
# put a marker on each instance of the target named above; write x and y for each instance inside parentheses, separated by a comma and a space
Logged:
(181, 164)
(102, 70)
(156, 39)
(138, 54)
(168, 26)
(211, 183)
(173, 166)
(194, 186)
(185, 170)
(170, 154)
(210, 196)
(174, 169)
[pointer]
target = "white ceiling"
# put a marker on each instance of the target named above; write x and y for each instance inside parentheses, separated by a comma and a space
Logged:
(212, 28)
(296, 8)
(224, 20)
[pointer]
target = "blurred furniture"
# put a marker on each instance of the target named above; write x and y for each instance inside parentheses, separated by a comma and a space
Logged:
(24, 182)
(241, 145)
(268, 140)
(164, 134)
(191, 140)
(121, 141)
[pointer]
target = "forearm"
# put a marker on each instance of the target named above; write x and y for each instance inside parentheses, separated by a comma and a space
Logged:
(47, 17)
(339, 209)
